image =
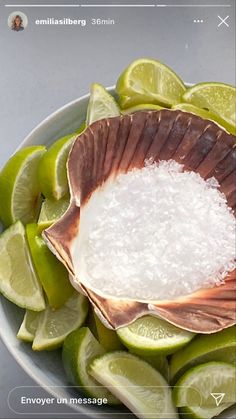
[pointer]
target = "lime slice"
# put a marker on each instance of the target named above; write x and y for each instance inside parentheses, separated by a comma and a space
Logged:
(51, 211)
(18, 282)
(150, 335)
(52, 169)
(19, 186)
(218, 98)
(203, 113)
(28, 327)
(55, 325)
(139, 386)
(79, 349)
(101, 104)
(200, 385)
(142, 107)
(149, 81)
(220, 346)
(51, 273)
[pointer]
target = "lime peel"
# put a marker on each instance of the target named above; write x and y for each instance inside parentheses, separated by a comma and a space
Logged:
(19, 186)
(79, 349)
(101, 104)
(55, 325)
(139, 386)
(18, 281)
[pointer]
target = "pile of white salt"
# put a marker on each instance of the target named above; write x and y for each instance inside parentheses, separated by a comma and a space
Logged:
(159, 233)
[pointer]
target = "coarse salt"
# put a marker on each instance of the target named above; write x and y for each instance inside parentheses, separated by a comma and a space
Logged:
(158, 233)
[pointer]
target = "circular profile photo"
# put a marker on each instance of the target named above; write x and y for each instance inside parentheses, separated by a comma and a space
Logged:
(17, 21)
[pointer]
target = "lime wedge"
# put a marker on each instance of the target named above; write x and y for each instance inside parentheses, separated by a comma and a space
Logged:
(28, 327)
(150, 335)
(79, 349)
(149, 81)
(218, 98)
(203, 113)
(107, 337)
(139, 386)
(101, 104)
(18, 282)
(51, 211)
(220, 346)
(52, 169)
(142, 107)
(51, 273)
(199, 387)
(19, 186)
(55, 325)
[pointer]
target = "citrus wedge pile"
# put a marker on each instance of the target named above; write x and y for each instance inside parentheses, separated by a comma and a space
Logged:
(154, 368)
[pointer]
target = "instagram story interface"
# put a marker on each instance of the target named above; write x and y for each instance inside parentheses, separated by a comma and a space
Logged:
(117, 209)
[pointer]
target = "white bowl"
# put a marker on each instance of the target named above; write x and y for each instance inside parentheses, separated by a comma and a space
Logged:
(46, 367)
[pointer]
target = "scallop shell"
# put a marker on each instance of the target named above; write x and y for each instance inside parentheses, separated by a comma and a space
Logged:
(117, 145)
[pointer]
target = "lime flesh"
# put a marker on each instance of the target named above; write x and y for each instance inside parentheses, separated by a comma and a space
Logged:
(149, 81)
(218, 98)
(29, 326)
(101, 104)
(139, 386)
(150, 335)
(195, 389)
(19, 186)
(79, 349)
(55, 325)
(51, 211)
(18, 281)
(220, 346)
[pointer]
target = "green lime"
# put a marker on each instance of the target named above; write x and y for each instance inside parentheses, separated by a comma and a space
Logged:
(18, 281)
(52, 169)
(19, 186)
(101, 104)
(51, 211)
(203, 113)
(55, 325)
(149, 81)
(150, 335)
(29, 326)
(142, 107)
(107, 337)
(79, 349)
(198, 387)
(218, 98)
(51, 273)
(138, 385)
(160, 363)
(220, 346)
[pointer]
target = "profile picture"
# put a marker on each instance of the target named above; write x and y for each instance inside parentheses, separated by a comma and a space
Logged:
(17, 21)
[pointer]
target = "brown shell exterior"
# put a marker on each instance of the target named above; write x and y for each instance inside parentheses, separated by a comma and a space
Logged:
(117, 145)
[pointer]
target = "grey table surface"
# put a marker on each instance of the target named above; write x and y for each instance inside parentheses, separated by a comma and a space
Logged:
(44, 67)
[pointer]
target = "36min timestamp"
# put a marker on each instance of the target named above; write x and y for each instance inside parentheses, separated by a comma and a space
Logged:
(105, 22)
